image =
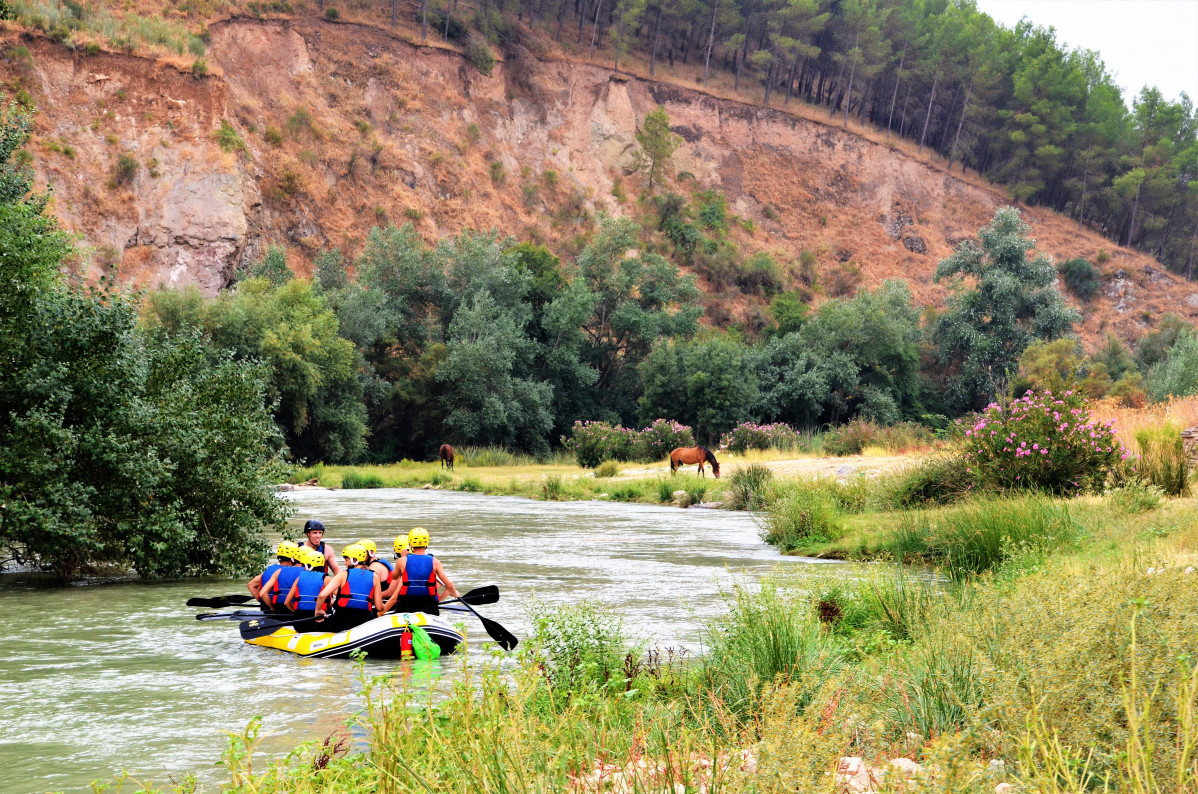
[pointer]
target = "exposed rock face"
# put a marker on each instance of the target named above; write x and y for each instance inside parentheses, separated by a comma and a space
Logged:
(346, 127)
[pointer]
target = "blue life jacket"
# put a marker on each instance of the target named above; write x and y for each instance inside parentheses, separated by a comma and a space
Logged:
(287, 577)
(310, 584)
(269, 572)
(357, 589)
(419, 578)
(390, 567)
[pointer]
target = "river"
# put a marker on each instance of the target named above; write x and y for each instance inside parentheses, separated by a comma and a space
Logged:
(139, 685)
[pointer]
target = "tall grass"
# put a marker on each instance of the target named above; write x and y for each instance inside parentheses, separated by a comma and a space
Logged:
(1163, 460)
(805, 512)
(65, 20)
(747, 486)
(981, 536)
(767, 638)
(356, 479)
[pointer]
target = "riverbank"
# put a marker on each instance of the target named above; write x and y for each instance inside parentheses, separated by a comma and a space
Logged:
(562, 480)
(1065, 664)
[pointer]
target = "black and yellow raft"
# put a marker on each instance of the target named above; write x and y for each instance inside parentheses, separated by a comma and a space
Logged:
(381, 638)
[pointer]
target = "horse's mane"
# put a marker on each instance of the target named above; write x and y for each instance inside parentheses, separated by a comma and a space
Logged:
(708, 453)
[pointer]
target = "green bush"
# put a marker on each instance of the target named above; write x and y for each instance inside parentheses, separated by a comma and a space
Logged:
(849, 439)
(933, 481)
(662, 437)
(228, 139)
(332, 13)
(1136, 496)
(124, 170)
(749, 435)
(353, 479)
(983, 535)
(479, 54)
(803, 515)
(608, 468)
(747, 486)
(591, 443)
(579, 646)
(471, 485)
(1082, 278)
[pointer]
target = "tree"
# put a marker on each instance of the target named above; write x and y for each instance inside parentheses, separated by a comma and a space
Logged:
(708, 384)
(489, 403)
(657, 145)
(117, 447)
(635, 298)
(1013, 303)
(1177, 375)
(273, 267)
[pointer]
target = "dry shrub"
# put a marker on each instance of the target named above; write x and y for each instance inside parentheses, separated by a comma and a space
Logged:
(1183, 411)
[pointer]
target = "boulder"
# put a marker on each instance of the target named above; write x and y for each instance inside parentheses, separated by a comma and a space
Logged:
(845, 470)
(904, 766)
(853, 775)
(709, 505)
(915, 244)
(1004, 788)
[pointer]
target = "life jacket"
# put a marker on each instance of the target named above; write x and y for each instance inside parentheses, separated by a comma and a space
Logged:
(309, 584)
(390, 570)
(419, 569)
(269, 572)
(287, 577)
(357, 589)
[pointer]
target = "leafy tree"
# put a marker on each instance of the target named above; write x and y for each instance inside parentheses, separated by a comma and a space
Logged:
(116, 447)
(800, 387)
(1058, 366)
(315, 380)
(635, 299)
(273, 267)
(789, 312)
(708, 384)
(1013, 303)
(488, 401)
(657, 145)
(1177, 375)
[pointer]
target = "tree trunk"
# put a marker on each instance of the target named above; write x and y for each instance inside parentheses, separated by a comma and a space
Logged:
(848, 94)
(928, 117)
(561, 20)
(656, 38)
(1131, 224)
(715, 9)
(769, 81)
(898, 78)
(740, 57)
(595, 31)
(449, 16)
(790, 78)
(832, 90)
(1081, 215)
(906, 99)
(957, 138)
(582, 18)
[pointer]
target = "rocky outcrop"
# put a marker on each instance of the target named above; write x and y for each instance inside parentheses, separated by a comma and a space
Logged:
(346, 126)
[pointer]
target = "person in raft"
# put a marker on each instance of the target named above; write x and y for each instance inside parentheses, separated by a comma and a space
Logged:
(377, 564)
(356, 593)
(314, 531)
(272, 585)
(401, 551)
(301, 598)
(419, 573)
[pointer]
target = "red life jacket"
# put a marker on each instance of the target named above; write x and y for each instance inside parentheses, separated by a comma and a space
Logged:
(419, 584)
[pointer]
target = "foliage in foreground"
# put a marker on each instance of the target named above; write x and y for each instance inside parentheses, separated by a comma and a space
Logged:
(117, 446)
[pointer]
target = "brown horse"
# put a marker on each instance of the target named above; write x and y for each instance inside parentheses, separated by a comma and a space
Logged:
(700, 454)
(446, 455)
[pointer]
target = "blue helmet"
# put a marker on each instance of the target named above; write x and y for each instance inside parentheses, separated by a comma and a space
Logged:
(312, 524)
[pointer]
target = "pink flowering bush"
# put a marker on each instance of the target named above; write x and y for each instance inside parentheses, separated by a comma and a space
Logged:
(658, 439)
(591, 443)
(1042, 441)
(748, 435)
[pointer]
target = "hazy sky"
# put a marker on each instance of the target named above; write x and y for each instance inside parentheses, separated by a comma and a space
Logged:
(1143, 42)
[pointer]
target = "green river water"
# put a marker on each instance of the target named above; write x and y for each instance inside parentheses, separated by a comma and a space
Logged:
(103, 678)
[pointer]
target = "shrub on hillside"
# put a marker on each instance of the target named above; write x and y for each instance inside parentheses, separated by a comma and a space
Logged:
(1042, 441)
(1080, 277)
(591, 443)
(658, 439)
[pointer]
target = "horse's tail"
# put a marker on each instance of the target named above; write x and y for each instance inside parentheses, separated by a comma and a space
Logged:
(673, 466)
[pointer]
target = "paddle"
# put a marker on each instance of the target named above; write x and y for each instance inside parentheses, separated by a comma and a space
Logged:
(505, 638)
(261, 627)
(488, 594)
(219, 601)
(241, 614)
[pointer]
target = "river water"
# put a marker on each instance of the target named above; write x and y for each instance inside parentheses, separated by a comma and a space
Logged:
(139, 685)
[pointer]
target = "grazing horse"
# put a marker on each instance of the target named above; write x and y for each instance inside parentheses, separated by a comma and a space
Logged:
(700, 454)
(446, 455)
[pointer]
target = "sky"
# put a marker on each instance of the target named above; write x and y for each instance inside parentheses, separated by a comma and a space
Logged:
(1142, 42)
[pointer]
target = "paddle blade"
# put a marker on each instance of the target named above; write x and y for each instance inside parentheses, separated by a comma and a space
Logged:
(218, 602)
(262, 627)
(241, 614)
(481, 595)
(505, 638)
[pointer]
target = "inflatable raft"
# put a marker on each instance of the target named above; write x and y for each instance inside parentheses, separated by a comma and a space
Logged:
(381, 638)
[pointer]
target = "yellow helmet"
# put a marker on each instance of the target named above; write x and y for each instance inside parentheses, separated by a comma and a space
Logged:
(288, 550)
(370, 546)
(401, 544)
(418, 537)
(355, 552)
(312, 558)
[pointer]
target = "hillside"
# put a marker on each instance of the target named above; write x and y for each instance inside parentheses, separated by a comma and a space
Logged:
(346, 126)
